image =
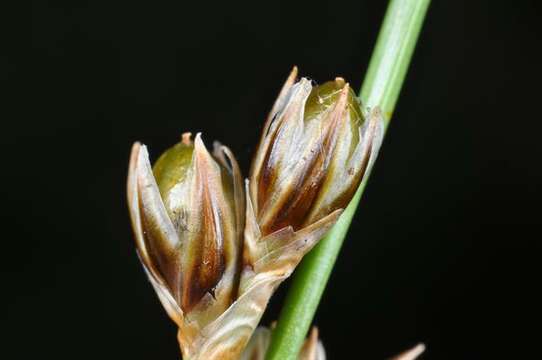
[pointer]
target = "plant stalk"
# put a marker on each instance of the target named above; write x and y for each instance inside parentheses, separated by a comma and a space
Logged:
(381, 87)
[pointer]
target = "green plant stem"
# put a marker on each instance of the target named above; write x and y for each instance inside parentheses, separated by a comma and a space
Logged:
(381, 87)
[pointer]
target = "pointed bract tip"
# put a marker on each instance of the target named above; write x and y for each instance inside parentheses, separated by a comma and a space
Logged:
(134, 154)
(293, 73)
(342, 102)
(143, 154)
(411, 354)
(314, 334)
(198, 142)
(217, 145)
(218, 150)
(200, 150)
(136, 145)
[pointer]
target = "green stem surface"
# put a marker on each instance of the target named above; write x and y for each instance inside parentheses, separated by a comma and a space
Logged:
(381, 87)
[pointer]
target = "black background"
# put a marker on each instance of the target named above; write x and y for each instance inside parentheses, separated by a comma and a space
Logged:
(445, 248)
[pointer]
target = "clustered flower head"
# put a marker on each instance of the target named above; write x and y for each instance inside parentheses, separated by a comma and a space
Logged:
(215, 248)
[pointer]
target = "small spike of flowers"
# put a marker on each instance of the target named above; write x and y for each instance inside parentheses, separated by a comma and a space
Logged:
(316, 147)
(188, 218)
(214, 254)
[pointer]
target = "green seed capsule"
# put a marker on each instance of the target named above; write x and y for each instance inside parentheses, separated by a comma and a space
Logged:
(171, 170)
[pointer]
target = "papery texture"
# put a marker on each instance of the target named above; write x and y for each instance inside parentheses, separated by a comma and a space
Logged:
(188, 223)
(216, 254)
(315, 149)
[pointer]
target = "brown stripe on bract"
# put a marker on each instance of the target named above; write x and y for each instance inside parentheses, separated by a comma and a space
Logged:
(134, 205)
(233, 252)
(264, 143)
(344, 198)
(273, 152)
(159, 237)
(161, 255)
(271, 162)
(294, 208)
(268, 175)
(207, 262)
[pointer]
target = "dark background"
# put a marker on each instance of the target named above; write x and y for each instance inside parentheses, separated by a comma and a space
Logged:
(445, 248)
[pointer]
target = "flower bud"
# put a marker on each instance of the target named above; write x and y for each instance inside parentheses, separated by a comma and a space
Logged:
(188, 220)
(314, 152)
(315, 149)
